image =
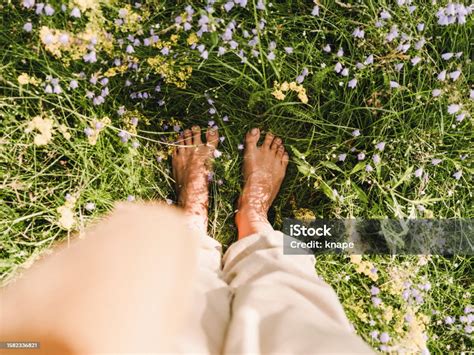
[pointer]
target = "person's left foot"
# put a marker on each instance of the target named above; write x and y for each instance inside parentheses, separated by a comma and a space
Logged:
(192, 166)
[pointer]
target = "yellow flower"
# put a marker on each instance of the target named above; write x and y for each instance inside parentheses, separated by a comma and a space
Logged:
(23, 79)
(279, 95)
(45, 128)
(192, 39)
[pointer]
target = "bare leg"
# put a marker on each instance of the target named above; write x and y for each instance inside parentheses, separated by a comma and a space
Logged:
(264, 169)
(192, 164)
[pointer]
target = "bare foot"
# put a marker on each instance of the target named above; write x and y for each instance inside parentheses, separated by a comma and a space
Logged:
(192, 164)
(263, 169)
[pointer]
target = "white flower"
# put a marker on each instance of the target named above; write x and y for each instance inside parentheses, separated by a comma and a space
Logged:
(436, 92)
(394, 84)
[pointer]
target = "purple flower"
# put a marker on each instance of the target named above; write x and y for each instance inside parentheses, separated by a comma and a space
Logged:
(447, 56)
(338, 67)
(358, 33)
(453, 108)
(271, 56)
(449, 320)
(345, 72)
(342, 157)
(394, 84)
(436, 161)
(376, 301)
(376, 159)
(289, 50)
(90, 206)
(380, 146)
(369, 59)
(361, 156)
(436, 92)
(457, 175)
(27, 27)
(374, 334)
(217, 153)
(455, 75)
(73, 84)
(461, 116)
(327, 48)
(356, 133)
(240, 147)
(384, 15)
(415, 60)
(418, 172)
(374, 290)
(260, 5)
(88, 131)
(442, 75)
(48, 10)
(368, 168)
(471, 94)
(340, 52)
(352, 84)
(315, 11)
(165, 50)
(384, 338)
(130, 198)
(28, 3)
(420, 27)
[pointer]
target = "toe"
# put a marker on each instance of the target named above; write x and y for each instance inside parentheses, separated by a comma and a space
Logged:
(188, 140)
(180, 143)
(280, 151)
(197, 135)
(286, 159)
(212, 137)
(251, 138)
(268, 140)
(276, 143)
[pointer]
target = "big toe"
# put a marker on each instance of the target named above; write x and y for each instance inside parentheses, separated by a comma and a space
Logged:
(212, 137)
(251, 138)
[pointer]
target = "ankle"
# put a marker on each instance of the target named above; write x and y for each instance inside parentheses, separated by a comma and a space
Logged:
(249, 221)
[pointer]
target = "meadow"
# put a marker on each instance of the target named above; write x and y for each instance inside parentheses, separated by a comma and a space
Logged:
(373, 99)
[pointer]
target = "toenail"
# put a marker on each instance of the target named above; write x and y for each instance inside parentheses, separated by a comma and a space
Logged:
(254, 131)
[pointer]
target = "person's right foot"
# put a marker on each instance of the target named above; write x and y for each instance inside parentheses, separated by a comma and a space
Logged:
(264, 168)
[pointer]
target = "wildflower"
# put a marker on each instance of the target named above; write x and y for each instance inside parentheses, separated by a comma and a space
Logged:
(447, 56)
(315, 11)
(342, 157)
(48, 10)
(28, 3)
(368, 168)
(471, 94)
(442, 75)
(27, 27)
(345, 72)
(374, 334)
(436, 92)
(384, 338)
(271, 56)
(457, 175)
(340, 52)
(380, 146)
(361, 156)
(288, 50)
(327, 48)
(356, 133)
(217, 153)
(75, 12)
(240, 147)
(374, 290)
(436, 161)
(415, 60)
(358, 33)
(45, 128)
(338, 67)
(130, 198)
(384, 15)
(449, 320)
(90, 206)
(376, 301)
(418, 172)
(394, 84)
(376, 159)
(453, 108)
(369, 59)
(455, 75)
(353, 83)
(420, 27)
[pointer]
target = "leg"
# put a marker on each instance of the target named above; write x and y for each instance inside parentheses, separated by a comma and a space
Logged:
(192, 164)
(280, 305)
(108, 293)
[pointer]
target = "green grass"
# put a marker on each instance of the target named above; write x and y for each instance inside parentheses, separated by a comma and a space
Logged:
(415, 126)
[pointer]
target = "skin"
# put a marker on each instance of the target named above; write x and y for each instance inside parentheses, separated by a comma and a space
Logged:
(264, 168)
